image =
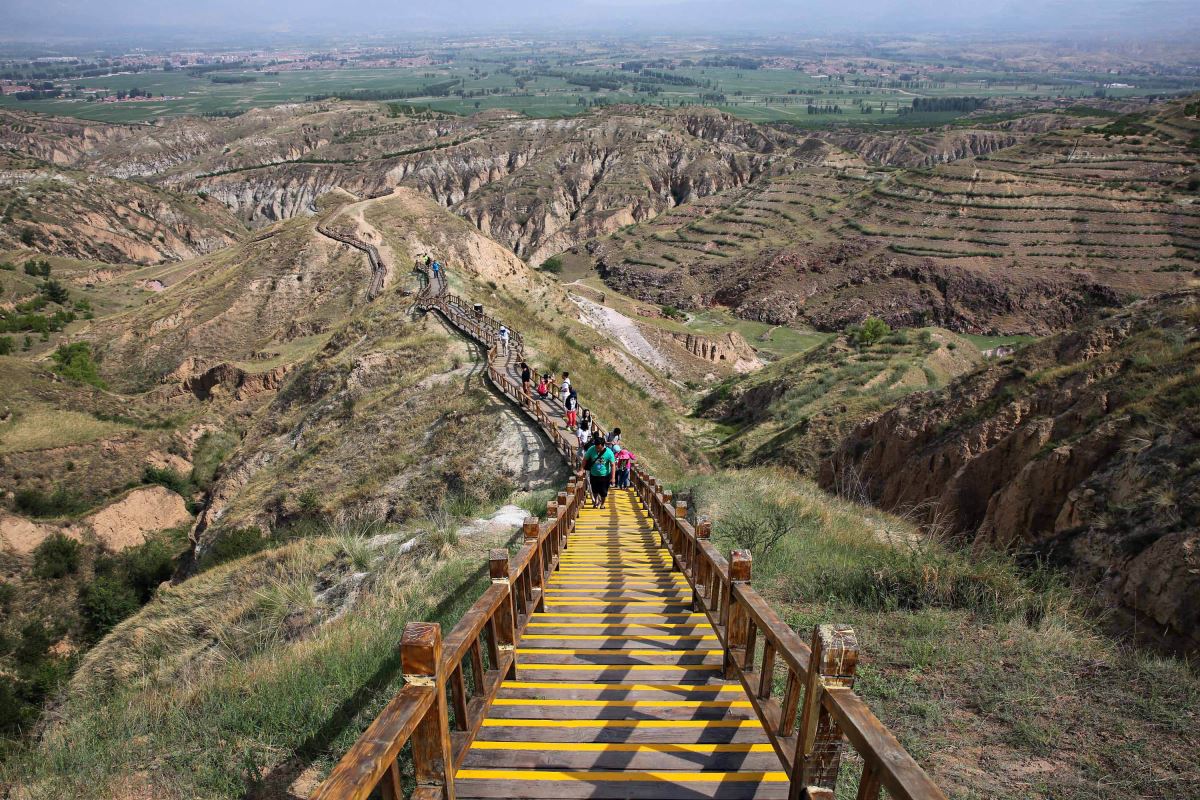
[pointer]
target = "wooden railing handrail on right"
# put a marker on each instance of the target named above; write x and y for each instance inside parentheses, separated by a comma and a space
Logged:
(806, 722)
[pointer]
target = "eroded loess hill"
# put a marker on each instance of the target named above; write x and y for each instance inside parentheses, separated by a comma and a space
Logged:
(796, 411)
(84, 215)
(1026, 239)
(1084, 448)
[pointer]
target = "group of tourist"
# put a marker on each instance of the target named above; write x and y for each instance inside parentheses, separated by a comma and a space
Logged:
(605, 458)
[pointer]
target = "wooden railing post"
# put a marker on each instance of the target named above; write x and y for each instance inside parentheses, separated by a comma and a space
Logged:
(735, 624)
(505, 630)
(683, 547)
(664, 527)
(420, 658)
(530, 533)
(833, 662)
(701, 576)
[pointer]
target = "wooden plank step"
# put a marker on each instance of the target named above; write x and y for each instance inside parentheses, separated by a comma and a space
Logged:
(592, 756)
(615, 629)
(652, 641)
(602, 606)
(621, 785)
(734, 731)
(528, 656)
(621, 691)
(515, 708)
(674, 673)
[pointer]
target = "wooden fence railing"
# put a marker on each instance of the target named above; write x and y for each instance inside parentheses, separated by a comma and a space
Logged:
(449, 685)
(802, 692)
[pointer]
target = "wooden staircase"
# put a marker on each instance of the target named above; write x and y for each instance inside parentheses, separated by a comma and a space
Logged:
(617, 655)
(620, 690)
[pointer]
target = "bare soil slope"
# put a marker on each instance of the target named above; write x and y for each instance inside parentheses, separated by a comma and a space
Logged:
(1084, 447)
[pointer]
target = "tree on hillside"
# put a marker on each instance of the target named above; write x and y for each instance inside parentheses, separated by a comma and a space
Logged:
(871, 331)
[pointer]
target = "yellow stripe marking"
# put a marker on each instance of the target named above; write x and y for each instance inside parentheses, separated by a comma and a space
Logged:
(607, 667)
(621, 617)
(620, 777)
(584, 651)
(621, 723)
(624, 747)
(590, 637)
(514, 701)
(626, 687)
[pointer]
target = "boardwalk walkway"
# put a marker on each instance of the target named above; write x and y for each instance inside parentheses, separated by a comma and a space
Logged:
(617, 655)
(620, 690)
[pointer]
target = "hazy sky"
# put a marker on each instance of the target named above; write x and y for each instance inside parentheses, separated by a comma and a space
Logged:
(76, 18)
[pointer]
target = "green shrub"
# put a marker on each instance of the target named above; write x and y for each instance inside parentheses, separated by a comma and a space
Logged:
(55, 292)
(105, 602)
(7, 345)
(234, 544)
(210, 452)
(309, 501)
(61, 502)
(7, 593)
(56, 557)
(553, 264)
(165, 476)
(146, 566)
(867, 334)
(74, 361)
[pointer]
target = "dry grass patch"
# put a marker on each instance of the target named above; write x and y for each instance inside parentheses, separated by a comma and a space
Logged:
(42, 429)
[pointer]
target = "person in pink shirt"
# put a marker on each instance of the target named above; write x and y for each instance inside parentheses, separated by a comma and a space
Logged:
(625, 461)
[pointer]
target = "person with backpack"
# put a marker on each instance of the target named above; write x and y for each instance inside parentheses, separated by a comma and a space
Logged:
(599, 462)
(584, 433)
(564, 390)
(526, 378)
(614, 437)
(572, 406)
(625, 461)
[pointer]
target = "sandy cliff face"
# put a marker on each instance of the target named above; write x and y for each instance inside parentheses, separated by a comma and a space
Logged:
(1084, 447)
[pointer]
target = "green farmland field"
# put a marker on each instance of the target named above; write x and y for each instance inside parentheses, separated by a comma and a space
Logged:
(762, 95)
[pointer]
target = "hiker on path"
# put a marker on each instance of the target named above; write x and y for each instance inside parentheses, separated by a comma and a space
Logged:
(625, 461)
(599, 461)
(503, 336)
(614, 437)
(584, 433)
(526, 378)
(565, 389)
(572, 406)
(543, 389)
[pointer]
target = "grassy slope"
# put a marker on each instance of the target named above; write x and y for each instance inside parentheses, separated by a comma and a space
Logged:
(999, 684)
(796, 410)
(536, 306)
(248, 674)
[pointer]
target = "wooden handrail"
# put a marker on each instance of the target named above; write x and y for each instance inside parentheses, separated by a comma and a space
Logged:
(437, 709)
(806, 722)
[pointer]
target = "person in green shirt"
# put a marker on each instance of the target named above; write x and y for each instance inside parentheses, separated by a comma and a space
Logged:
(599, 461)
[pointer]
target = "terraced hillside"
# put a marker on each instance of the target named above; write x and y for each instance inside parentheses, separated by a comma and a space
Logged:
(1024, 239)
(797, 410)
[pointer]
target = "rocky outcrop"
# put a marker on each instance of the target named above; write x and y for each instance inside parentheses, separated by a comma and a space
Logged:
(730, 349)
(206, 381)
(833, 285)
(95, 218)
(1082, 447)
(923, 149)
